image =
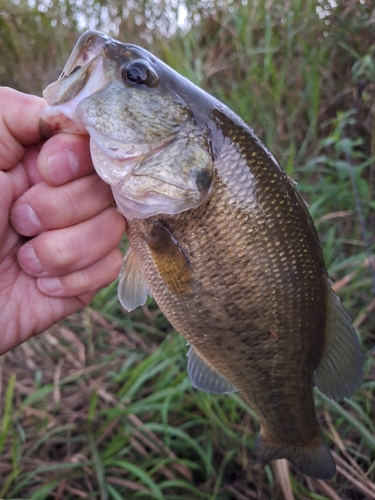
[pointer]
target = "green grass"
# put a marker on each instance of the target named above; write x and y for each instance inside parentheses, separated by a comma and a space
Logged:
(101, 406)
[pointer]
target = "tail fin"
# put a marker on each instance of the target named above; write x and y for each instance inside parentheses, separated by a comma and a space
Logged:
(315, 460)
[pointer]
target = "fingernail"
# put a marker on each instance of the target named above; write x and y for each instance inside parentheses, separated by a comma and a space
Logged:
(49, 285)
(63, 166)
(26, 220)
(29, 261)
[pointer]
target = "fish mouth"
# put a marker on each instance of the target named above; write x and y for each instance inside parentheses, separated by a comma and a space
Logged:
(82, 76)
(89, 46)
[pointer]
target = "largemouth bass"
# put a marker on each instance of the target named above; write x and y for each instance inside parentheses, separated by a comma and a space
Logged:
(219, 236)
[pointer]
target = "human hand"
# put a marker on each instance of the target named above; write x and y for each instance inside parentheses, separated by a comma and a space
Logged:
(63, 206)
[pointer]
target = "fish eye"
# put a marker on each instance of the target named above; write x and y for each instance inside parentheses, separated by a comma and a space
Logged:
(140, 73)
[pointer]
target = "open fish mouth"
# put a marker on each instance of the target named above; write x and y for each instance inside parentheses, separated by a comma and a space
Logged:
(90, 46)
(82, 76)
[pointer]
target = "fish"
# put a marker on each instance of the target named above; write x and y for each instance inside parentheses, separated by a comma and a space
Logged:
(219, 236)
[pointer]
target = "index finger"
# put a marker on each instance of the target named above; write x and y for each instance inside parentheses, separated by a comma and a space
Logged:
(19, 124)
(65, 157)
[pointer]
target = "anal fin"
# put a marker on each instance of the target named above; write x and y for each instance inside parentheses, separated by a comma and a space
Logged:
(205, 377)
(132, 288)
(340, 371)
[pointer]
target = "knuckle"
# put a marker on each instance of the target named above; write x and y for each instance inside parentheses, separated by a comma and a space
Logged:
(55, 253)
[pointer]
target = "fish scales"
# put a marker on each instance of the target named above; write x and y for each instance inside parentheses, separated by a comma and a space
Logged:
(219, 236)
(231, 260)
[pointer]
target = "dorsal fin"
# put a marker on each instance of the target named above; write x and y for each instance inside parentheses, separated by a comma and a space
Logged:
(204, 377)
(340, 371)
(132, 288)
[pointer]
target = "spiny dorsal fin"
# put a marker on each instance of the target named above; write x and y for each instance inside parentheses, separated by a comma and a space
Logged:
(170, 259)
(132, 288)
(206, 378)
(340, 371)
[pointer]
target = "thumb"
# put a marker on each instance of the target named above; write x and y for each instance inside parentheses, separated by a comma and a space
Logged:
(19, 124)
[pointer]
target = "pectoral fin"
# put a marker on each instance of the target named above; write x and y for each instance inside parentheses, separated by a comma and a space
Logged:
(206, 378)
(340, 371)
(132, 288)
(170, 259)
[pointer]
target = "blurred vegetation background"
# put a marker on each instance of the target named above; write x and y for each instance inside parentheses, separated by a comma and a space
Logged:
(100, 405)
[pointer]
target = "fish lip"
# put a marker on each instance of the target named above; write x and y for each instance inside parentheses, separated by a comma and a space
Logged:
(65, 94)
(89, 45)
(84, 60)
(64, 98)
